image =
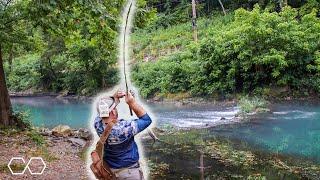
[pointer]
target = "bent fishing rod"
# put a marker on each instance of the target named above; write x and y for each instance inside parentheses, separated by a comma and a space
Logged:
(150, 132)
(124, 52)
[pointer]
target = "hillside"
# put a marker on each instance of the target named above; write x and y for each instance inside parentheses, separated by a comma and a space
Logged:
(257, 52)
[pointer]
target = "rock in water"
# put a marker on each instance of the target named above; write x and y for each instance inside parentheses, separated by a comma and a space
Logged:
(62, 130)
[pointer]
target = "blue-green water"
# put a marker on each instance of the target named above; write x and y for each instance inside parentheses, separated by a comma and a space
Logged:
(291, 128)
(50, 112)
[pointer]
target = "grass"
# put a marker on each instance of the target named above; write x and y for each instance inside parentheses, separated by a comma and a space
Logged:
(83, 153)
(36, 137)
(17, 167)
(8, 130)
(43, 152)
(41, 149)
(4, 168)
(252, 104)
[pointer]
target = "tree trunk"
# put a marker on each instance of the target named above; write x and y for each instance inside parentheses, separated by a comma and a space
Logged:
(194, 21)
(10, 58)
(5, 104)
(224, 11)
(278, 5)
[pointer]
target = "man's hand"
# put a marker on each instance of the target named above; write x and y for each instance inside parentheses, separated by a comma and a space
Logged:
(119, 94)
(130, 98)
(137, 109)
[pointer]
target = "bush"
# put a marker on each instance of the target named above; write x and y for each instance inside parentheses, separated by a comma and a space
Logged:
(22, 120)
(164, 76)
(249, 105)
(261, 49)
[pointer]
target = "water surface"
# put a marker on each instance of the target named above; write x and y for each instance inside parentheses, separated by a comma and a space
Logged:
(291, 129)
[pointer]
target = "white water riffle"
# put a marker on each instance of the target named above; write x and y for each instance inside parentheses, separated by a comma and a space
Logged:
(196, 117)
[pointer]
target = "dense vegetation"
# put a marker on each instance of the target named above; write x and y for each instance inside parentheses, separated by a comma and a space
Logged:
(71, 46)
(68, 46)
(257, 50)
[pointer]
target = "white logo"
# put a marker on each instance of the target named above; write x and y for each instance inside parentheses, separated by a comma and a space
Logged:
(27, 166)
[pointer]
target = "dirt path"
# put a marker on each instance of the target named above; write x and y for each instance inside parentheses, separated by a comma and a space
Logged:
(63, 159)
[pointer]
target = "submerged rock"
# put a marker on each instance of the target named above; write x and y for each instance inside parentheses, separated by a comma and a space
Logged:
(61, 131)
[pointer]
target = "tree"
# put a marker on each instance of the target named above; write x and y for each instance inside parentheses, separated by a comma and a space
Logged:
(8, 17)
(5, 104)
(222, 7)
(194, 21)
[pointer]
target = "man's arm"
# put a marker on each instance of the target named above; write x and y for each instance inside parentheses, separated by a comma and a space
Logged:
(134, 105)
(144, 119)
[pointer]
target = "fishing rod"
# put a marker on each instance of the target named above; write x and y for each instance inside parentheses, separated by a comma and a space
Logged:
(150, 132)
(124, 52)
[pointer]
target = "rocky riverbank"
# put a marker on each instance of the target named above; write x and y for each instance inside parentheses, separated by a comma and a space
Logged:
(62, 149)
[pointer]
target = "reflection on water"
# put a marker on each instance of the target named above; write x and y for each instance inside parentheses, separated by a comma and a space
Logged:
(292, 128)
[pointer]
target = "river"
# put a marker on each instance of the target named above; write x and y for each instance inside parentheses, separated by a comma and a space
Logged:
(292, 128)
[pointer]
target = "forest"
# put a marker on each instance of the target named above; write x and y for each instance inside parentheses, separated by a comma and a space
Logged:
(244, 47)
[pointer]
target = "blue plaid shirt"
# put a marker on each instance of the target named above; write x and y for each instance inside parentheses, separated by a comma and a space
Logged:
(121, 150)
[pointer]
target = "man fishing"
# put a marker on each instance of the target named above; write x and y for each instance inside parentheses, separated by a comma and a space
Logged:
(120, 151)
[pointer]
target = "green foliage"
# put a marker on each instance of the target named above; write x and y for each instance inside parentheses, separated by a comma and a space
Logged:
(68, 46)
(25, 73)
(263, 49)
(22, 120)
(164, 76)
(310, 6)
(251, 52)
(249, 105)
(36, 137)
(144, 16)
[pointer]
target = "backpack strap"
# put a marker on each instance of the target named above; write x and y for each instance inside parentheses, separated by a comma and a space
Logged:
(104, 136)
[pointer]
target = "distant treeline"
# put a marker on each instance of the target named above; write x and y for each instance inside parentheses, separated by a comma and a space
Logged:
(172, 12)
